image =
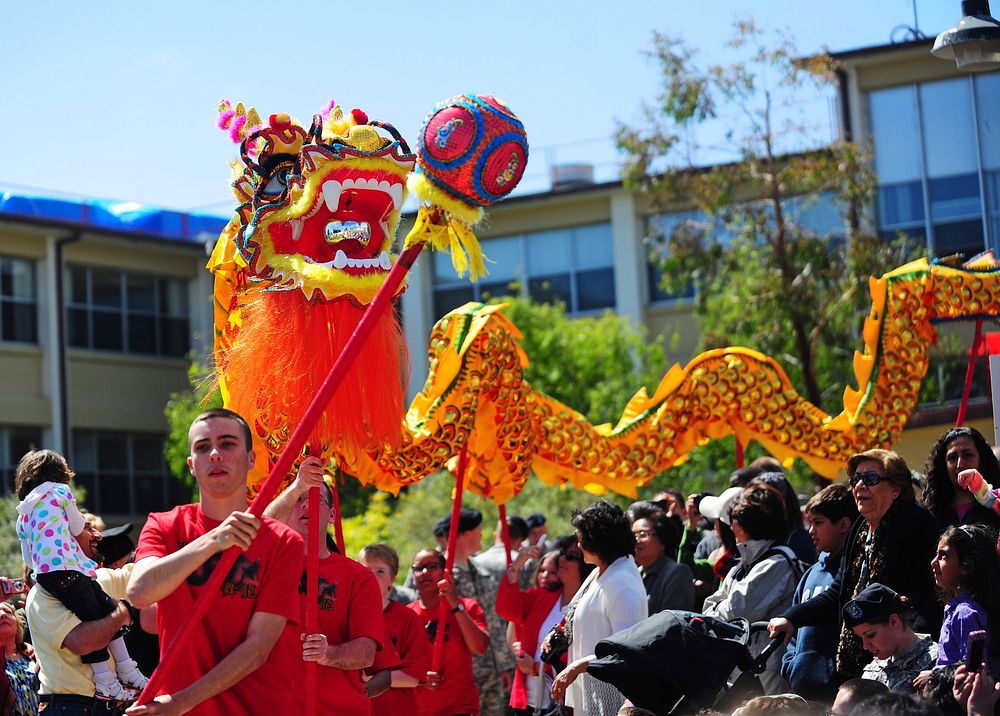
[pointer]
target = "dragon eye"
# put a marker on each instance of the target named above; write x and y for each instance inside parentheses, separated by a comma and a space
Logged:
(278, 180)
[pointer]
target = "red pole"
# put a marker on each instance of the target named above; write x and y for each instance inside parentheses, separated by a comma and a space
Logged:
(449, 562)
(969, 372)
(740, 460)
(292, 450)
(312, 594)
(504, 532)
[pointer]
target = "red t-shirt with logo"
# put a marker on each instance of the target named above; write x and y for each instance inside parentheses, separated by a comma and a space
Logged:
(350, 606)
(263, 579)
(457, 693)
(405, 633)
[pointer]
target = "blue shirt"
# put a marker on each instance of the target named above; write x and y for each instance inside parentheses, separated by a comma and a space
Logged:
(809, 662)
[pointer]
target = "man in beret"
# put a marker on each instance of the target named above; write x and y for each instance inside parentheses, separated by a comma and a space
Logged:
(493, 670)
(142, 640)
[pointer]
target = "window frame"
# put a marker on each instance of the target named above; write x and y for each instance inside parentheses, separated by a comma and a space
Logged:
(31, 302)
(523, 279)
(160, 315)
(930, 224)
(95, 474)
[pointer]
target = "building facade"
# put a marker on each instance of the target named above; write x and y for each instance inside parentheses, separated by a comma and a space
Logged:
(101, 307)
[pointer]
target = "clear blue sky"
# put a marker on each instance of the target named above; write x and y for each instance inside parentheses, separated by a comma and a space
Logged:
(118, 99)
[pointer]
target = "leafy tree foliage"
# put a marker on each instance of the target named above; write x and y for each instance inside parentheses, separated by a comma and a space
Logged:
(181, 409)
(763, 278)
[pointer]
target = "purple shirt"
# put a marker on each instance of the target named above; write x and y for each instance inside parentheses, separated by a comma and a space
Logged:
(961, 616)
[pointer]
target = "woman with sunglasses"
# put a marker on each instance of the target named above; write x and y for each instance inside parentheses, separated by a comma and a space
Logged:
(891, 543)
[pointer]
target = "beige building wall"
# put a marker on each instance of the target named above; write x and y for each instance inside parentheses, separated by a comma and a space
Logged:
(109, 392)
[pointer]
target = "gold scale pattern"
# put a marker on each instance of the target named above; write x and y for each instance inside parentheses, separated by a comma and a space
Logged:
(476, 393)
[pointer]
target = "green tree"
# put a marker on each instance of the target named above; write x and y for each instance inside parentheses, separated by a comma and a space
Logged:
(181, 409)
(764, 280)
(10, 546)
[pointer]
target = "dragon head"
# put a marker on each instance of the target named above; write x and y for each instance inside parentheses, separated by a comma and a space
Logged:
(319, 207)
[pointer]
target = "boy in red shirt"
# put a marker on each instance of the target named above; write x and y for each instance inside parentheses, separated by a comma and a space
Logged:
(349, 614)
(452, 691)
(228, 663)
(393, 686)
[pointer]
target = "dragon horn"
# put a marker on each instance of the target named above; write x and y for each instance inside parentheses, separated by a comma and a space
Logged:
(238, 121)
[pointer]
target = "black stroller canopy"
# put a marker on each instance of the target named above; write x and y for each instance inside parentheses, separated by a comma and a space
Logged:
(671, 655)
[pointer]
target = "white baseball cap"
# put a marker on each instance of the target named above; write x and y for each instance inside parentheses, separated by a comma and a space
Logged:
(717, 508)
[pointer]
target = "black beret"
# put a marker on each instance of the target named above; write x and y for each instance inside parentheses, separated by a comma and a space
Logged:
(517, 527)
(441, 527)
(468, 519)
(115, 543)
(534, 520)
(873, 605)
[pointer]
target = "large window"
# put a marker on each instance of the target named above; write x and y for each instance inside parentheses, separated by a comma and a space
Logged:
(937, 156)
(18, 301)
(574, 266)
(124, 473)
(815, 214)
(662, 227)
(988, 122)
(14, 443)
(127, 312)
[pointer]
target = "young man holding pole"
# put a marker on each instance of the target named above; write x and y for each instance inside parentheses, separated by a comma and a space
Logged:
(349, 608)
(228, 664)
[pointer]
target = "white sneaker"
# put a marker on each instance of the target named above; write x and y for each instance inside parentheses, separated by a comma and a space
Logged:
(114, 691)
(130, 676)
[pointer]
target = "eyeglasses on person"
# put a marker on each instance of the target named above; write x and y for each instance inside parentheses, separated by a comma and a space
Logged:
(868, 478)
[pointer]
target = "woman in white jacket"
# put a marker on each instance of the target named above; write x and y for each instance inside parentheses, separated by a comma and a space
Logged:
(611, 599)
(762, 584)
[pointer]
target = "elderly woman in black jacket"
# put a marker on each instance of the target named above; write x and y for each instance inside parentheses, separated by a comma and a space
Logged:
(891, 542)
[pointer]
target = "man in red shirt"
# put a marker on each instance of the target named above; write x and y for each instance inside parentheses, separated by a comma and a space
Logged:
(228, 664)
(349, 614)
(452, 691)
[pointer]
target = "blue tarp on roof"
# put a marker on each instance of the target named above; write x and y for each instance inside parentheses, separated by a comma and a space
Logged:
(118, 216)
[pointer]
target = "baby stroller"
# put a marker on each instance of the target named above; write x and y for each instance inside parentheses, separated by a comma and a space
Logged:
(678, 662)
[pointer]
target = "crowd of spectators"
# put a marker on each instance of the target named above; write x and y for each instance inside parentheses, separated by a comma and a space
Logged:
(879, 596)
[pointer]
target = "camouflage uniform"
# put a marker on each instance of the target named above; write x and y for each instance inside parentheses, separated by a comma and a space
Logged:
(486, 669)
(898, 672)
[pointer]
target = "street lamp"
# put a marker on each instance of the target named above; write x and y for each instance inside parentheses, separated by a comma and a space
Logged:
(974, 43)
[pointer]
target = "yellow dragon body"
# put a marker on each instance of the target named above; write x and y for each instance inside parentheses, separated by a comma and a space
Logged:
(476, 394)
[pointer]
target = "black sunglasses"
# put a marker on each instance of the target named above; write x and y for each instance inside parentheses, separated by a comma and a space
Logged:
(870, 479)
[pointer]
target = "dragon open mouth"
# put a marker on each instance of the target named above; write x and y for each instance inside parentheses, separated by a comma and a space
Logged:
(348, 225)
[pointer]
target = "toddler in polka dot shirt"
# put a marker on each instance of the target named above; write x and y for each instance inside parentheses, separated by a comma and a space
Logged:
(48, 523)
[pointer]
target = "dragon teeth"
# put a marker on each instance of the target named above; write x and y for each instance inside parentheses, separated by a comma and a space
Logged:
(331, 194)
(332, 190)
(341, 261)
